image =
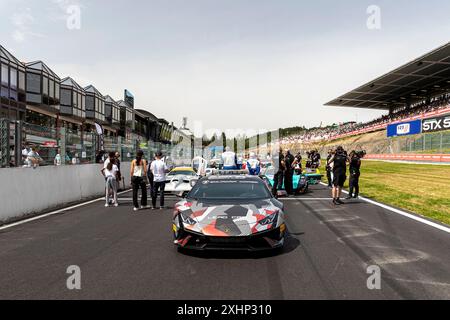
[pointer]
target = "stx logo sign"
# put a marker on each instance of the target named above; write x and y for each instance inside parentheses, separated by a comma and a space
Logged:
(436, 124)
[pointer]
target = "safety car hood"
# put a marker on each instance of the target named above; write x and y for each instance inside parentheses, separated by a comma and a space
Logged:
(179, 178)
(229, 219)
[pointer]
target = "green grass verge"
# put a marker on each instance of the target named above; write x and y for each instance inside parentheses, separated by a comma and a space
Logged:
(419, 188)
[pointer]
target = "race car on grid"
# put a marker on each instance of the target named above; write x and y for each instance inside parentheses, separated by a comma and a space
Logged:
(231, 212)
(178, 180)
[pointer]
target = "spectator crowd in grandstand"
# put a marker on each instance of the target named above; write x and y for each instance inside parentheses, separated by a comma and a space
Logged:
(324, 133)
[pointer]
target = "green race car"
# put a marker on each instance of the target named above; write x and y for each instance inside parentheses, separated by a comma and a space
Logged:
(300, 181)
(313, 176)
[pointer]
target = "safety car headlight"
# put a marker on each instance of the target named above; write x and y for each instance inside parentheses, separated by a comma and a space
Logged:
(269, 219)
(188, 220)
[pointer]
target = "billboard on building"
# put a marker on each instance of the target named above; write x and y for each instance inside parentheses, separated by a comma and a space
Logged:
(404, 128)
(436, 124)
(129, 98)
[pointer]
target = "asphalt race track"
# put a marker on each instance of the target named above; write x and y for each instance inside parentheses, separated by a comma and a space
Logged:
(127, 255)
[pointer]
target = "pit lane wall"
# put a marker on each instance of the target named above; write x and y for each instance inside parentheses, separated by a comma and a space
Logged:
(26, 191)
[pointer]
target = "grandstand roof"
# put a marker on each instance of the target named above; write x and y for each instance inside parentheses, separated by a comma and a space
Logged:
(148, 114)
(426, 76)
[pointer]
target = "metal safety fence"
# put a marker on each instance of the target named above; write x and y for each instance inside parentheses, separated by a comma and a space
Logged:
(438, 142)
(26, 144)
(4, 143)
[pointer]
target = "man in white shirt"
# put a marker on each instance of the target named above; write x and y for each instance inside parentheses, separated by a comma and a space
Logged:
(159, 170)
(229, 159)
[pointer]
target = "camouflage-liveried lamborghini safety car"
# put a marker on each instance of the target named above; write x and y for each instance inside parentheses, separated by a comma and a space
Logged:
(234, 212)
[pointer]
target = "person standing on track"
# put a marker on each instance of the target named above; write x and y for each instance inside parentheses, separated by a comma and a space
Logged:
(159, 170)
(111, 156)
(150, 176)
(354, 168)
(138, 172)
(253, 165)
(315, 159)
(297, 165)
(329, 169)
(119, 173)
(239, 162)
(339, 162)
(288, 173)
(229, 159)
(110, 173)
(280, 166)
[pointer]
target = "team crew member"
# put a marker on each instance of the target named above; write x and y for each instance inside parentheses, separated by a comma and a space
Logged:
(315, 159)
(137, 173)
(288, 173)
(355, 166)
(339, 162)
(329, 169)
(159, 170)
(253, 165)
(280, 166)
(111, 171)
(297, 165)
(229, 159)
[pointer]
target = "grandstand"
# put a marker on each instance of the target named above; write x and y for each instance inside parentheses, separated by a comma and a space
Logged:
(419, 89)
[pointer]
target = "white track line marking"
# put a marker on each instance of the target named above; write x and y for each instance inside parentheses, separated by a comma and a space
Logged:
(54, 212)
(423, 282)
(131, 199)
(403, 213)
(341, 219)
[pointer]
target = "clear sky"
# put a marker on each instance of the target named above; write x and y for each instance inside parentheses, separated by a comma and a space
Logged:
(228, 63)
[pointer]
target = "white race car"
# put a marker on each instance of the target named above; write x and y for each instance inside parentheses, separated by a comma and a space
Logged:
(179, 180)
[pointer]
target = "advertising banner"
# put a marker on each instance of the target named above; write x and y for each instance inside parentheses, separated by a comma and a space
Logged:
(436, 124)
(404, 128)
